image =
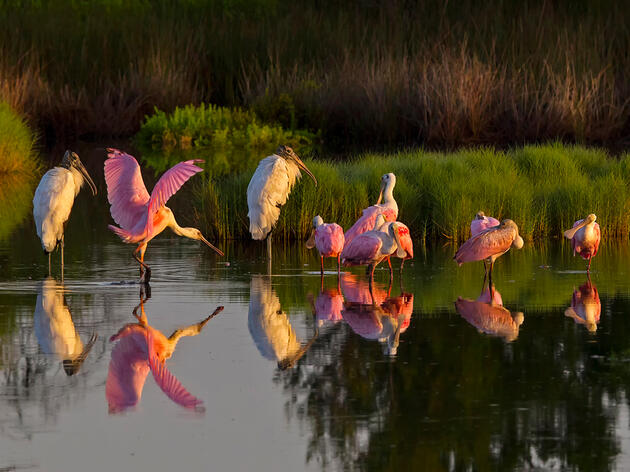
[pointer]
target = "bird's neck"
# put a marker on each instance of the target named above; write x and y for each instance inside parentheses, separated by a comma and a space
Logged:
(78, 180)
(181, 231)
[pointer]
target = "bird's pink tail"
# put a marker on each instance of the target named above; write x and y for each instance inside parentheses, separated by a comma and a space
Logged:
(125, 235)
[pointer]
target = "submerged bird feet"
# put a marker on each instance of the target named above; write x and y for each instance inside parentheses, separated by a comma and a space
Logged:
(145, 275)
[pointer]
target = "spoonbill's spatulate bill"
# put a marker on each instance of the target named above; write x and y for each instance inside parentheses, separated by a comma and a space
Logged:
(269, 189)
(141, 216)
(53, 201)
(585, 237)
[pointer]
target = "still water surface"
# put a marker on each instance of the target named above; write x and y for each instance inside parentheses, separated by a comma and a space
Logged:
(293, 376)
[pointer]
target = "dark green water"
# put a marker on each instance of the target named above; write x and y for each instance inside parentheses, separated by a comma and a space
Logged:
(287, 386)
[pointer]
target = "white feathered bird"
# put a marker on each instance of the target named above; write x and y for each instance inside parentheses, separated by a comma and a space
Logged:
(269, 189)
(54, 198)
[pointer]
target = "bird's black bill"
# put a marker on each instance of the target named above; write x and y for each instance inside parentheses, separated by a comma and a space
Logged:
(86, 176)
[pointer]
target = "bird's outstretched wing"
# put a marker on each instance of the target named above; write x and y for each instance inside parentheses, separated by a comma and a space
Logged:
(167, 382)
(367, 221)
(170, 182)
(125, 189)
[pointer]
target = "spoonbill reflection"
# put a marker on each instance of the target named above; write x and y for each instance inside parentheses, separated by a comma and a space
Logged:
(55, 330)
(270, 327)
(142, 217)
(490, 244)
(53, 201)
(269, 190)
(585, 236)
(140, 348)
(328, 239)
(389, 209)
(327, 306)
(586, 307)
(492, 319)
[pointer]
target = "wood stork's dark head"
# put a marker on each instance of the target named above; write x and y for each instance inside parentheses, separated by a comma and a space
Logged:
(71, 160)
(289, 154)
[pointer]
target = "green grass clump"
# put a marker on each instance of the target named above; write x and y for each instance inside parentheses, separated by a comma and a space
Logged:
(231, 139)
(543, 188)
(17, 143)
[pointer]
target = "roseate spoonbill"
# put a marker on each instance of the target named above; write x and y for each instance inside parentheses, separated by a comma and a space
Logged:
(389, 209)
(482, 223)
(494, 320)
(585, 236)
(54, 198)
(490, 244)
(142, 217)
(328, 239)
(371, 247)
(327, 307)
(586, 307)
(270, 327)
(54, 329)
(140, 349)
(269, 189)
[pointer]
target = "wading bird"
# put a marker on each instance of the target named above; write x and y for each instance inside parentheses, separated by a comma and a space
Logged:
(142, 217)
(371, 247)
(55, 330)
(389, 209)
(494, 320)
(140, 349)
(490, 244)
(269, 189)
(586, 308)
(328, 239)
(53, 201)
(585, 236)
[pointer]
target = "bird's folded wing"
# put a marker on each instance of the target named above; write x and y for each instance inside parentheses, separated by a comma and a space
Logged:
(362, 250)
(167, 382)
(125, 189)
(487, 243)
(170, 182)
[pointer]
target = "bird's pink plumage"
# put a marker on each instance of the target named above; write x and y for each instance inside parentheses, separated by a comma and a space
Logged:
(477, 226)
(364, 249)
(491, 242)
(367, 221)
(329, 239)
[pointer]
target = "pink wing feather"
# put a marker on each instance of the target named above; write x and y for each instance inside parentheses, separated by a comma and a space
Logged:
(170, 182)
(486, 244)
(477, 226)
(125, 189)
(329, 239)
(367, 220)
(362, 250)
(405, 240)
(168, 382)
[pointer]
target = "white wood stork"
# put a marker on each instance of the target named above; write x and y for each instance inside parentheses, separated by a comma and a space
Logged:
(54, 198)
(269, 189)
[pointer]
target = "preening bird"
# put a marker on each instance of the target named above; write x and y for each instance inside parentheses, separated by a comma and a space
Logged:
(585, 237)
(54, 198)
(389, 209)
(328, 239)
(490, 244)
(482, 223)
(371, 247)
(142, 217)
(269, 189)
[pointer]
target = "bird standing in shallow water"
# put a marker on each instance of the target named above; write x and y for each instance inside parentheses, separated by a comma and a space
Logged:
(142, 217)
(328, 239)
(389, 209)
(585, 236)
(53, 201)
(490, 244)
(269, 189)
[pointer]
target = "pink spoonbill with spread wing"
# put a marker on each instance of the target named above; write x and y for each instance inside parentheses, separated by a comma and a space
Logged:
(389, 209)
(585, 236)
(490, 244)
(328, 239)
(142, 216)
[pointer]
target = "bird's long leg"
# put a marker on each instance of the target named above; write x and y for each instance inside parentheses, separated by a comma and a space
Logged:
(338, 267)
(62, 244)
(321, 282)
(485, 274)
(49, 257)
(193, 329)
(146, 275)
(391, 273)
(491, 285)
(371, 268)
(269, 246)
(321, 261)
(588, 268)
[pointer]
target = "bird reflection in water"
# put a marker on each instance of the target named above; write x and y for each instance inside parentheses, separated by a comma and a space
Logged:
(374, 314)
(489, 316)
(328, 305)
(55, 330)
(586, 307)
(140, 348)
(270, 327)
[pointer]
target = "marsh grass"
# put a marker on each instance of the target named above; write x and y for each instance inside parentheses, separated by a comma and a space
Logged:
(368, 74)
(544, 189)
(17, 145)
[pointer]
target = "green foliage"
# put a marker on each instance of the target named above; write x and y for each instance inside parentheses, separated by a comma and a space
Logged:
(230, 139)
(544, 189)
(17, 143)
